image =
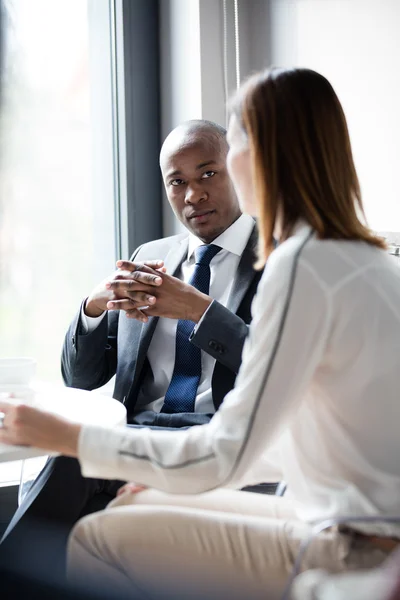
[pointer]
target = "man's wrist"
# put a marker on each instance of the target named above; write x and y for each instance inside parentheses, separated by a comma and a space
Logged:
(91, 310)
(199, 306)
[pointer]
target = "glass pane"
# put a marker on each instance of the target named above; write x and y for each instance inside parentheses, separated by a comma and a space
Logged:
(55, 229)
(47, 216)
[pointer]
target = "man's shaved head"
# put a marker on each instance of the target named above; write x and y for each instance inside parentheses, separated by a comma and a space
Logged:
(193, 165)
(194, 132)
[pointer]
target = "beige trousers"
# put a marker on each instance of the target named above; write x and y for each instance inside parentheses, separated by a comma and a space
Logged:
(221, 544)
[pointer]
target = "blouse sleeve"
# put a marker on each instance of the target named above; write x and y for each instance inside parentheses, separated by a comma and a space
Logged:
(291, 316)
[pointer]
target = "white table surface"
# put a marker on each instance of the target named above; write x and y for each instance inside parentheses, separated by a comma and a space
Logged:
(76, 405)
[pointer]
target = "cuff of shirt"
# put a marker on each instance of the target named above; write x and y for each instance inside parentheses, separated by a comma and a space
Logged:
(196, 327)
(89, 324)
(97, 451)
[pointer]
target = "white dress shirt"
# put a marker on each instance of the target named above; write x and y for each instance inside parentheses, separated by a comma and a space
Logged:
(316, 401)
(161, 352)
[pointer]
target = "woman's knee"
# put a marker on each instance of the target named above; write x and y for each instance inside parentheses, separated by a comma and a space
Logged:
(144, 497)
(79, 536)
(87, 537)
(103, 534)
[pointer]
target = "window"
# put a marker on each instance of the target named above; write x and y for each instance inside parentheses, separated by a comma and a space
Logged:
(79, 176)
(50, 220)
(57, 231)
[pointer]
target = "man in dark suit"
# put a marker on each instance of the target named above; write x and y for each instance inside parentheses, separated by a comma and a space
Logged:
(174, 339)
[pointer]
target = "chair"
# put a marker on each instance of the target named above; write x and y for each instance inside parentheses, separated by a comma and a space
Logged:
(318, 528)
(30, 469)
(281, 488)
(272, 489)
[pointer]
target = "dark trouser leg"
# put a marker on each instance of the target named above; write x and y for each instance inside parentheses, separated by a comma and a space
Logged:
(57, 499)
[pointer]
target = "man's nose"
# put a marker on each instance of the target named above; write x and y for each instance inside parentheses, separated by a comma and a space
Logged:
(195, 194)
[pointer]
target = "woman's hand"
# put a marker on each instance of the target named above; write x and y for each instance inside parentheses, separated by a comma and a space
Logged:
(27, 426)
(131, 488)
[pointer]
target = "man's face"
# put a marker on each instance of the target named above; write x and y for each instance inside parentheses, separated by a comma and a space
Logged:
(198, 186)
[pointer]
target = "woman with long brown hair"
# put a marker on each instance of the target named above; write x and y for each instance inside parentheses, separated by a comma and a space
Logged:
(315, 401)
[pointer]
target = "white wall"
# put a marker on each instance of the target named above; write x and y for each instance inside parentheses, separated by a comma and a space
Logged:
(180, 74)
(192, 81)
(354, 43)
(180, 62)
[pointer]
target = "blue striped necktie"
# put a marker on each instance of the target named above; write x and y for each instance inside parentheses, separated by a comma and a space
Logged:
(182, 390)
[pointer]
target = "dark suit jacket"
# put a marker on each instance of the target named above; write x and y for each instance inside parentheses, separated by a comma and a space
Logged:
(119, 345)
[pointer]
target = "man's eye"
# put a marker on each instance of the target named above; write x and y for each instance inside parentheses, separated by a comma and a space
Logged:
(176, 182)
(208, 174)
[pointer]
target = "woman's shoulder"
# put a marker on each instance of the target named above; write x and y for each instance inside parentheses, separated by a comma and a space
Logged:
(291, 250)
(287, 260)
(329, 260)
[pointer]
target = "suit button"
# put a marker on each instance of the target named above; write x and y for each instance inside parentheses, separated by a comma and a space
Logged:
(73, 340)
(216, 347)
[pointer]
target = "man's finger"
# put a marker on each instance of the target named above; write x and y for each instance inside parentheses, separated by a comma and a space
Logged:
(125, 304)
(138, 266)
(141, 298)
(135, 300)
(123, 275)
(131, 311)
(138, 278)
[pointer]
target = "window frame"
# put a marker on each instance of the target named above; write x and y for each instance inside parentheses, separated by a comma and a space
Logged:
(136, 117)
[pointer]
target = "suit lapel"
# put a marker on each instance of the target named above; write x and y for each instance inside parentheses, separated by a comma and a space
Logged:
(176, 256)
(244, 274)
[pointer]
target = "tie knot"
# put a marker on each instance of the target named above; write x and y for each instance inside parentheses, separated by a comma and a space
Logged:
(205, 254)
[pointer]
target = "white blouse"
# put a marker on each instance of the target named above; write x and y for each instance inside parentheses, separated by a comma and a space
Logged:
(316, 401)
